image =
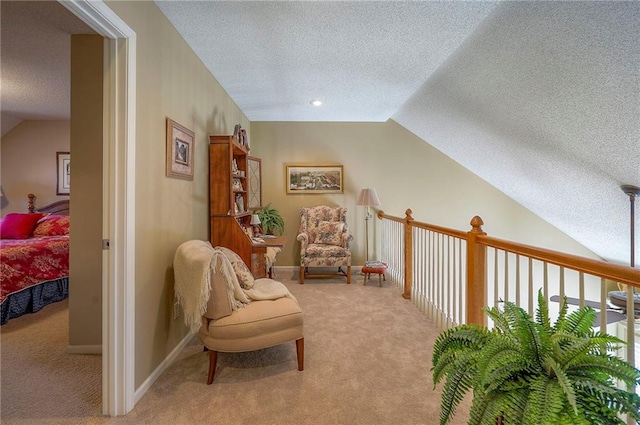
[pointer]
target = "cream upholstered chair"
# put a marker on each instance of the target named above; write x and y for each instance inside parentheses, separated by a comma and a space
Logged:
(324, 241)
(227, 326)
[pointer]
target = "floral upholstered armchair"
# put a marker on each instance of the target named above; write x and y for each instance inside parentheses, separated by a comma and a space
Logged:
(324, 241)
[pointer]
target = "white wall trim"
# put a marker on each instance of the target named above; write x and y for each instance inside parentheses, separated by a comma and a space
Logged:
(118, 271)
(168, 361)
(84, 349)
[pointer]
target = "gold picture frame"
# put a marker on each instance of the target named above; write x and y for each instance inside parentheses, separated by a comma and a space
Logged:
(180, 147)
(301, 178)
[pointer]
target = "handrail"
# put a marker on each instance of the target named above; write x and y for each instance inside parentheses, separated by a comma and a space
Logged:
(618, 273)
(427, 226)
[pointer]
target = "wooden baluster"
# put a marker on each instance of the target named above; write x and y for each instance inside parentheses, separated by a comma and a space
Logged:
(408, 255)
(476, 273)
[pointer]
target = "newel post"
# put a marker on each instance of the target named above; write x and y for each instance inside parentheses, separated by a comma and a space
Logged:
(408, 255)
(476, 273)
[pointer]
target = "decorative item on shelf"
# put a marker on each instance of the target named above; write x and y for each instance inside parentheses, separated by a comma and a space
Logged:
(244, 139)
(271, 220)
(237, 185)
(255, 222)
(369, 198)
(240, 203)
(236, 133)
(234, 167)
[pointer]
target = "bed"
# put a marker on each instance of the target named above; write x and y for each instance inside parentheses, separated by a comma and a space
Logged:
(34, 259)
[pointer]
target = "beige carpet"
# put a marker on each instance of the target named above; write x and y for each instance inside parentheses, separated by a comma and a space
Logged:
(367, 361)
(39, 381)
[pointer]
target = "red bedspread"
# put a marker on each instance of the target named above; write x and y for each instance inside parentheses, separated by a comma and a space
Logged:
(28, 262)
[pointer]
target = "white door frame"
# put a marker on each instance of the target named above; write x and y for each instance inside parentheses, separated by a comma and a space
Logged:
(118, 195)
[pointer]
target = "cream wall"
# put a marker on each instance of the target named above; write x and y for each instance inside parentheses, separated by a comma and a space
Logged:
(406, 173)
(28, 163)
(171, 82)
(85, 251)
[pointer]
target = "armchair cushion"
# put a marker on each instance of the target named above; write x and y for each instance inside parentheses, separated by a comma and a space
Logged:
(330, 233)
(325, 251)
(258, 325)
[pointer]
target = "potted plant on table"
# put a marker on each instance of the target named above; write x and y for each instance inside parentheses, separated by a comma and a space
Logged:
(526, 371)
(271, 220)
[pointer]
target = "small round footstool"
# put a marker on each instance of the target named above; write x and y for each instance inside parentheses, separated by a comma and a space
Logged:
(374, 267)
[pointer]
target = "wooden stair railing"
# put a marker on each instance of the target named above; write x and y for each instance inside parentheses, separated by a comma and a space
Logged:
(477, 243)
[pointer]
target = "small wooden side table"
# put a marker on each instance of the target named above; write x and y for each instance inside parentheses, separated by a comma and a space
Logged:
(376, 267)
(275, 242)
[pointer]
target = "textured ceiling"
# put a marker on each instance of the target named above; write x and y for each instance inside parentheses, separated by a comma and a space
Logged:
(540, 99)
(362, 59)
(35, 59)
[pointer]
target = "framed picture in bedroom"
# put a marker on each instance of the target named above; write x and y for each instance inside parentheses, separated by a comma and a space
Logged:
(180, 145)
(314, 178)
(63, 173)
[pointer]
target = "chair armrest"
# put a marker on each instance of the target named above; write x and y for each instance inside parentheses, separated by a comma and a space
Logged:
(346, 239)
(304, 241)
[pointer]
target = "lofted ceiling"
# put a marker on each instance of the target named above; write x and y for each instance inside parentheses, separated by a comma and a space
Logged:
(540, 99)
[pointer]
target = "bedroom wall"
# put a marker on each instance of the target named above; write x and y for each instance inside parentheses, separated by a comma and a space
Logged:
(171, 82)
(28, 163)
(406, 172)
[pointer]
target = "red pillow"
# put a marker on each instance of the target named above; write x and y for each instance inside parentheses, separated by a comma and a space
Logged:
(18, 225)
(52, 225)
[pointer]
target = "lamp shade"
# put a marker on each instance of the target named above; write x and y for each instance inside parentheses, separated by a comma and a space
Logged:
(255, 220)
(368, 197)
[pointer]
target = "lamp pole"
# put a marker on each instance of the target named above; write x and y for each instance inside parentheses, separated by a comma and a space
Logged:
(366, 230)
(632, 191)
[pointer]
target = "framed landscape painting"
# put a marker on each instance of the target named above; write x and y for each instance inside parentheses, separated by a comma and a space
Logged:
(314, 179)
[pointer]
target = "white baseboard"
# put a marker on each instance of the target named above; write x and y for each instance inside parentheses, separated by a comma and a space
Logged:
(84, 349)
(142, 389)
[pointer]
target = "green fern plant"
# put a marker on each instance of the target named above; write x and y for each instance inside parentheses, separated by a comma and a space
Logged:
(528, 371)
(271, 220)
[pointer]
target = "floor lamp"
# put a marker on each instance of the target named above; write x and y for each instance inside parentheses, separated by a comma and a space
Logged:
(369, 198)
(621, 298)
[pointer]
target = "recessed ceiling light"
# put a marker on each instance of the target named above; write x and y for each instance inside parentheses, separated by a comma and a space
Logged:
(316, 102)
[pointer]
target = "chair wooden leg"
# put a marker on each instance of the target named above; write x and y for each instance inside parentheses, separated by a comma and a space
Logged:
(213, 361)
(301, 275)
(349, 274)
(300, 352)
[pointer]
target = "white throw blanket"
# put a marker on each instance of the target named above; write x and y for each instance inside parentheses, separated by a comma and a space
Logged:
(268, 289)
(193, 264)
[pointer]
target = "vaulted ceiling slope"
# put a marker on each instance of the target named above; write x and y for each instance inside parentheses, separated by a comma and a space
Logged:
(543, 102)
(540, 99)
